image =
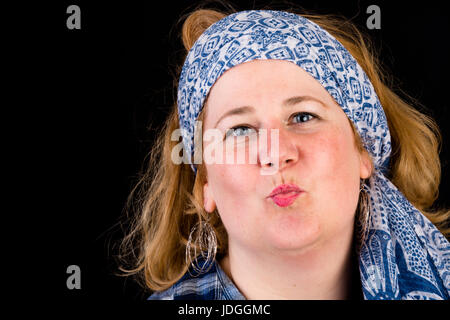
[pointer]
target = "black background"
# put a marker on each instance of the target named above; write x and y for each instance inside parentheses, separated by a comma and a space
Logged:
(106, 89)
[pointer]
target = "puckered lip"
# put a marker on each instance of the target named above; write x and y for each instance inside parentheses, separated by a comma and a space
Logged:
(284, 189)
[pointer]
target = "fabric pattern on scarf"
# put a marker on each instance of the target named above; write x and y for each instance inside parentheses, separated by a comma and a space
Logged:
(405, 256)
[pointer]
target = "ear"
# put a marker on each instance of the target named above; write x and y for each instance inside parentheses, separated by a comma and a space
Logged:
(208, 201)
(365, 165)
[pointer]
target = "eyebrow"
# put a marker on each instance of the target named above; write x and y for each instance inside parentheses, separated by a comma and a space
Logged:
(249, 109)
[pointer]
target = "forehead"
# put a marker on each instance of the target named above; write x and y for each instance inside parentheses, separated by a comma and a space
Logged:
(259, 80)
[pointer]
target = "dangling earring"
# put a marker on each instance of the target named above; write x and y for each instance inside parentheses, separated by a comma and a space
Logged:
(364, 212)
(202, 238)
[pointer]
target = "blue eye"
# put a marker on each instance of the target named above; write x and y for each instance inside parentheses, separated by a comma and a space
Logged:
(240, 131)
(303, 117)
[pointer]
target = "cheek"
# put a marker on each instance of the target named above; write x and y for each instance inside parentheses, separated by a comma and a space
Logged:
(335, 162)
(232, 185)
(234, 193)
(334, 153)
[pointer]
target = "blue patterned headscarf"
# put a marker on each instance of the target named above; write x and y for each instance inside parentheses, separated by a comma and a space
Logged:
(404, 255)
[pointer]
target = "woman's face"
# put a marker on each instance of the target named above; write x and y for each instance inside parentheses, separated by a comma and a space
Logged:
(316, 152)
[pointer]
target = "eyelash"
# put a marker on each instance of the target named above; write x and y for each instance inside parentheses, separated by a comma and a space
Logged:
(231, 130)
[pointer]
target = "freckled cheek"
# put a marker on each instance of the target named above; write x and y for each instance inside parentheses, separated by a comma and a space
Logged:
(332, 157)
(335, 177)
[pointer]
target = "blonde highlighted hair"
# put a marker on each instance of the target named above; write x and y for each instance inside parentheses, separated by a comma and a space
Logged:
(168, 199)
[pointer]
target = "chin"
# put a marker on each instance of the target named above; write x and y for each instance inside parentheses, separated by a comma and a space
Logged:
(294, 234)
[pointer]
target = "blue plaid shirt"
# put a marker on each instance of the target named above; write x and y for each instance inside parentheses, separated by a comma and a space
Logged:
(212, 285)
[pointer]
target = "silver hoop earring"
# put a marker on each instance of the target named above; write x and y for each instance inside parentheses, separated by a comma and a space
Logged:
(364, 212)
(202, 242)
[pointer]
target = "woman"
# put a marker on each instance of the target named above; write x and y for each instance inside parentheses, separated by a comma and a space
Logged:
(334, 205)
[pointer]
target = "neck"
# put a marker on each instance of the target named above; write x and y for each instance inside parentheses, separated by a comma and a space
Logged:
(322, 271)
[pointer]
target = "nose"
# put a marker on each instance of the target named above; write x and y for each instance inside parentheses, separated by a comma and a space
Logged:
(281, 150)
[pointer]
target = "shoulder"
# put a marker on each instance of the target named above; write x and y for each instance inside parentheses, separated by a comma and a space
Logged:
(162, 295)
(192, 286)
